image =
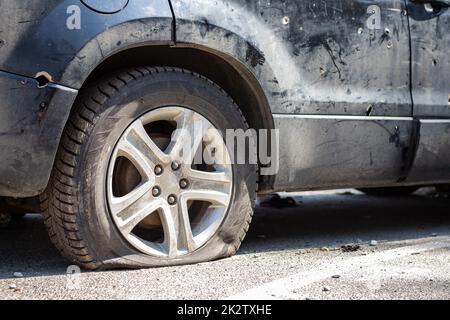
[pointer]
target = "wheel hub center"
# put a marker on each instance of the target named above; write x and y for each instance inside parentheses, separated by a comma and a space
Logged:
(168, 182)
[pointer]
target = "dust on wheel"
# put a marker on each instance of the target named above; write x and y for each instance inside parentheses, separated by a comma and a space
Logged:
(163, 203)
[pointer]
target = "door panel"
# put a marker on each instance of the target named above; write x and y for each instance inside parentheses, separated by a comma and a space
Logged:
(430, 42)
(336, 74)
(353, 56)
(338, 152)
(343, 57)
(432, 162)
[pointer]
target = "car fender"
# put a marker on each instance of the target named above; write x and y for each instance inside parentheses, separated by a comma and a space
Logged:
(232, 29)
(48, 34)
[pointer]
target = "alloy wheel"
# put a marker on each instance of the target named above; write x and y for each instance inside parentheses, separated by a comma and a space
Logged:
(162, 201)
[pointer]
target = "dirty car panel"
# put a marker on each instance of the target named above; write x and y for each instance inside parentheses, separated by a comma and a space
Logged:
(335, 73)
(331, 149)
(311, 57)
(31, 123)
(345, 58)
(38, 31)
(430, 43)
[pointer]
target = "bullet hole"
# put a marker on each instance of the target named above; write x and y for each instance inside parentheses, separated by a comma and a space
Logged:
(369, 110)
(43, 79)
(390, 44)
(434, 62)
(285, 20)
(360, 31)
(387, 31)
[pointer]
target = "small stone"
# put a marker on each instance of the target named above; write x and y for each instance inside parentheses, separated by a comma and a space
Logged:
(12, 287)
(18, 275)
(350, 248)
(324, 249)
(326, 289)
(373, 243)
(336, 276)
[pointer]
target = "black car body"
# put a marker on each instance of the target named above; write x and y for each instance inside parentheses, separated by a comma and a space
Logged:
(359, 90)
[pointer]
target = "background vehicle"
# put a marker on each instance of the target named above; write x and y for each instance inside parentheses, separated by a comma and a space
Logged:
(92, 92)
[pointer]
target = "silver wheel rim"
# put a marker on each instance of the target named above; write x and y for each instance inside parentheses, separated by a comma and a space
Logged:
(173, 206)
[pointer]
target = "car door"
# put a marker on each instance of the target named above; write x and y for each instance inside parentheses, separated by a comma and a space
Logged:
(336, 74)
(352, 123)
(353, 56)
(430, 45)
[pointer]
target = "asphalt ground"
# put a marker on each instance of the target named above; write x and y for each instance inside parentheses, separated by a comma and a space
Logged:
(332, 245)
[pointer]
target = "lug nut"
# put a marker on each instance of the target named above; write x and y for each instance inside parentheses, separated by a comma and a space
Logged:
(159, 170)
(184, 184)
(156, 191)
(172, 199)
(175, 166)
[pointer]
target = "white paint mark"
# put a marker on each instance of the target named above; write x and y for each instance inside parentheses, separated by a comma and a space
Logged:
(374, 20)
(283, 288)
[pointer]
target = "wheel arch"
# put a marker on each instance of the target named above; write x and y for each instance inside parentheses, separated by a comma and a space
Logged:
(226, 71)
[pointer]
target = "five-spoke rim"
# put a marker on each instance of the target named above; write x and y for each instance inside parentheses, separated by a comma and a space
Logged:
(162, 201)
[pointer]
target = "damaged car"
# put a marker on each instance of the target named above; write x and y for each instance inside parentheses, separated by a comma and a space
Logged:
(98, 99)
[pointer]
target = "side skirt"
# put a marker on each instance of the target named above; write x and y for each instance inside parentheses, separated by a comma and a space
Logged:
(320, 152)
